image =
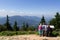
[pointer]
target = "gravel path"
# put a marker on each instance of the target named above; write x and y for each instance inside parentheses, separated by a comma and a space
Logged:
(28, 37)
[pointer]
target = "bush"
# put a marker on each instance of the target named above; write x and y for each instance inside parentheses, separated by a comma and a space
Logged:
(54, 33)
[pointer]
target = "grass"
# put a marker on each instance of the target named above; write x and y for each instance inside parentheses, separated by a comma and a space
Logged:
(11, 33)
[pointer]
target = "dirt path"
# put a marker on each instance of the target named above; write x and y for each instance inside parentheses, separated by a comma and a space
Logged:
(28, 37)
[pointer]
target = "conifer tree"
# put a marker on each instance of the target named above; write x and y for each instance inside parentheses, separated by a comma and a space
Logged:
(56, 21)
(7, 24)
(15, 27)
(43, 20)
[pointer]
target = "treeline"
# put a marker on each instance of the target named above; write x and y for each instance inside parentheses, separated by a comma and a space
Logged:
(25, 27)
(7, 26)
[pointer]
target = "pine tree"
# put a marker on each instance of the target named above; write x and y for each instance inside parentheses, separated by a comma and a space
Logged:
(43, 20)
(56, 21)
(15, 27)
(7, 24)
(27, 26)
(57, 17)
(24, 27)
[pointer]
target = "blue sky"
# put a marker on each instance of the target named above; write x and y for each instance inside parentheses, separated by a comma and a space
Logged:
(29, 7)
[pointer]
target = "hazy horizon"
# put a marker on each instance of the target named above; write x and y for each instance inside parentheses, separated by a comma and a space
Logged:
(29, 7)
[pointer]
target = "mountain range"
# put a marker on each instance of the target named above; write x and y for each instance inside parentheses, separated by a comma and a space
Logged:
(31, 20)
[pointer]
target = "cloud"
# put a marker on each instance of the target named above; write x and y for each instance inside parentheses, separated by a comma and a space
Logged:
(4, 12)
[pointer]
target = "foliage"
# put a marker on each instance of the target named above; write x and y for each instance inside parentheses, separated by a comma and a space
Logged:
(57, 17)
(54, 33)
(43, 20)
(53, 22)
(15, 27)
(2, 28)
(11, 33)
(7, 24)
(25, 26)
(31, 28)
(56, 21)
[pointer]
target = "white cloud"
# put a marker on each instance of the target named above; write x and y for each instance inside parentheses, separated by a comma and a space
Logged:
(4, 12)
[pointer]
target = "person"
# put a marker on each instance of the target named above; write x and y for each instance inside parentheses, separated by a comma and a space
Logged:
(43, 26)
(40, 30)
(48, 30)
(44, 29)
(51, 31)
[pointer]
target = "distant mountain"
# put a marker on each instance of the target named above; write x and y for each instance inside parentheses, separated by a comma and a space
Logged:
(31, 20)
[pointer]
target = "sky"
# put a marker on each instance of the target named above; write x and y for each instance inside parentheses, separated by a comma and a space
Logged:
(29, 7)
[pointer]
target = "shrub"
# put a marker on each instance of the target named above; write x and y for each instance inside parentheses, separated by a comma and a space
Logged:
(54, 33)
